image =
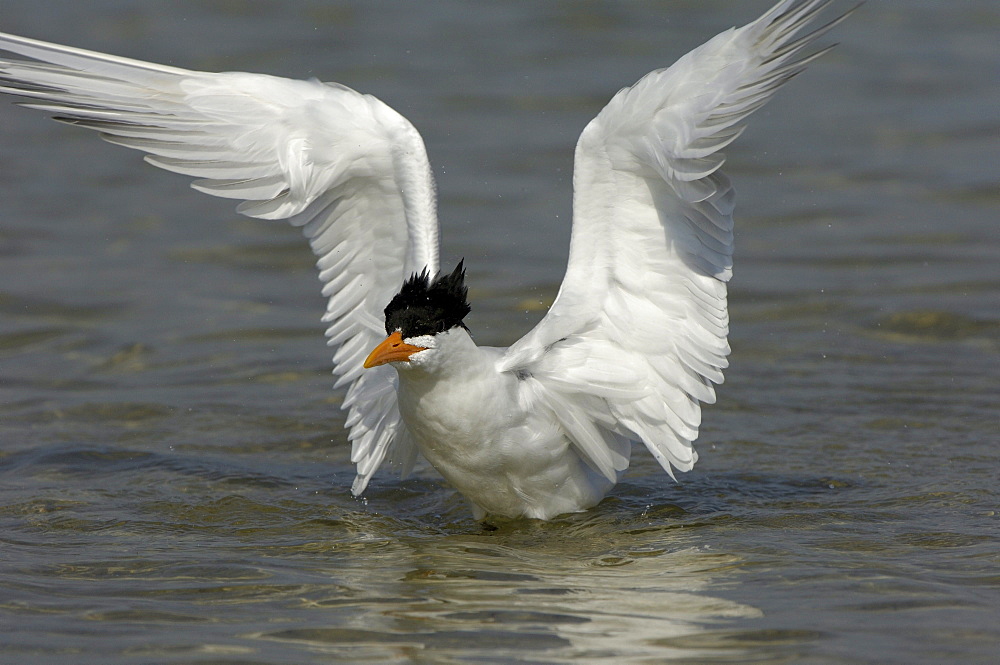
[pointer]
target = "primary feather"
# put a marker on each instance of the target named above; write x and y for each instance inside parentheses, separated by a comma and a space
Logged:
(637, 335)
(644, 295)
(344, 167)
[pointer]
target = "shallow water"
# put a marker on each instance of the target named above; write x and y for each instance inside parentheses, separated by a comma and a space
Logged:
(174, 479)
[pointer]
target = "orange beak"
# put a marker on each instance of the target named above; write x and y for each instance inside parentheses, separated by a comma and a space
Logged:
(392, 349)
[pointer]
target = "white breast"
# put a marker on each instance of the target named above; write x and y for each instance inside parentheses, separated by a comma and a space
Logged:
(480, 429)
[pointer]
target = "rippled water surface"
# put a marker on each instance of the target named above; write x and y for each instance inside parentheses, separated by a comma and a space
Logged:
(174, 478)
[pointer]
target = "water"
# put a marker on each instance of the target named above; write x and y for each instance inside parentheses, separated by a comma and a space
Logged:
(173, 472)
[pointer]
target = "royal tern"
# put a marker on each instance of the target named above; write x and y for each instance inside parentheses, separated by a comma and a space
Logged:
(636, 337)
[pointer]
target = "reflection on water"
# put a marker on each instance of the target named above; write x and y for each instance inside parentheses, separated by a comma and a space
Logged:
(468, 595)
(269, 561)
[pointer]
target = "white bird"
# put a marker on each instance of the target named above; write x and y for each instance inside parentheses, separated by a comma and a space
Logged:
(637, 334)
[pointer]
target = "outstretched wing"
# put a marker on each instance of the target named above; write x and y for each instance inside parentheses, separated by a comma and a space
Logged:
(344, 167)
(637, 333)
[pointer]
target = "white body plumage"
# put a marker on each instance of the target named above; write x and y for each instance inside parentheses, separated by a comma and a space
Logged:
(487, 432)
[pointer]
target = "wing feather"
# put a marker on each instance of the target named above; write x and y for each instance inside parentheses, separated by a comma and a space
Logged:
(347, 169)
(640, 322)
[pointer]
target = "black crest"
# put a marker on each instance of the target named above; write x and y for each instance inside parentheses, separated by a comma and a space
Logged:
(425, 307)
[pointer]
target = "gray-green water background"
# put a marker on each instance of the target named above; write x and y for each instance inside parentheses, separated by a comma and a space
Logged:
(173, 472)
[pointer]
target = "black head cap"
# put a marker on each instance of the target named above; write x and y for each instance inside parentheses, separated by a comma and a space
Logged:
(425, 307)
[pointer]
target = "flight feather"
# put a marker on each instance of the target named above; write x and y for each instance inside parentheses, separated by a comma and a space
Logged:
(342, 166)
